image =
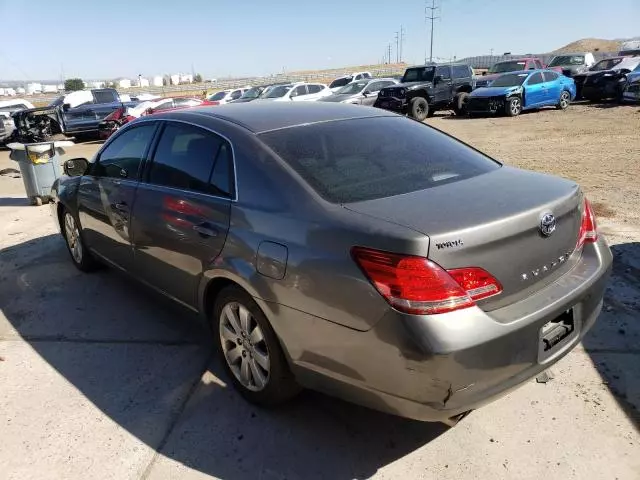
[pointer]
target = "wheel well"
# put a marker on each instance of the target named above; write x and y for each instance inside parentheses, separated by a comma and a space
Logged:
(465, 89)
(213, 288)
(419, 94)
(60, 211)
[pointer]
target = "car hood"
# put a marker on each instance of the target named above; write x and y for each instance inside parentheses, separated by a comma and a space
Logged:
(339, 97)
(493, 91)
(411, 85)
(633, 77)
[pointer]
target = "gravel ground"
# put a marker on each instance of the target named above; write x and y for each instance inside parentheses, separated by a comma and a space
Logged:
(101, 379)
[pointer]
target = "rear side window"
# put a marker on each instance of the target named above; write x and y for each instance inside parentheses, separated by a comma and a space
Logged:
(121, 158)
(104, 96)
(444, 72)
(367, 158)
(550, 76)
(461, 71)
(185, 159)
(314, 88)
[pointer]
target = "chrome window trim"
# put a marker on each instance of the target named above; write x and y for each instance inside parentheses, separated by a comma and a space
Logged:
(233, 156)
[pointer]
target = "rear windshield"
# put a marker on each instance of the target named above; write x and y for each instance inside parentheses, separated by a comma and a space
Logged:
(368, 158)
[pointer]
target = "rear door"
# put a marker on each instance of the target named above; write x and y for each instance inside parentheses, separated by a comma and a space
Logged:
(444, 87)
(181, 215)
(105, 102)
(107, 193)
(552, 88)
(299, 93)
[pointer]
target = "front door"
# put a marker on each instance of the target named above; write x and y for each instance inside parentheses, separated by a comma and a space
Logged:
(553, 88)
(107, 193)
(444, 86)
(182, 210)
(534, 90)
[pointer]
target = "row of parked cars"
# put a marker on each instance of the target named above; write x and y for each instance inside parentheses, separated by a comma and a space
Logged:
(508, 87)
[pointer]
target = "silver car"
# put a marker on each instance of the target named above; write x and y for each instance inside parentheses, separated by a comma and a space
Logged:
(363, 92)
(344, 249)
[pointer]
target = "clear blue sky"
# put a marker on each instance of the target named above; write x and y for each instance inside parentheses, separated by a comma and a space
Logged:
(114, 38)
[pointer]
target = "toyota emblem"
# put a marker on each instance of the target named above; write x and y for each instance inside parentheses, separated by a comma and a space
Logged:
(547, 224)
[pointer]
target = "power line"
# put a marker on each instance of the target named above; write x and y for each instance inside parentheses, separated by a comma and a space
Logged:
(429, 14)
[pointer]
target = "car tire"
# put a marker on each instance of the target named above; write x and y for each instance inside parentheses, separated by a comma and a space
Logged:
(419, 109)
(565, 100)
(513, 107)
(72, 233)
(460, 104)
(250, 350)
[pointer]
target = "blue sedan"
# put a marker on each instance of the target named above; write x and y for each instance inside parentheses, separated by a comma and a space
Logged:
(514, 92)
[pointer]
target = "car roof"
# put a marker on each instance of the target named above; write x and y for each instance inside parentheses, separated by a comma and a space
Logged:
(259, 117)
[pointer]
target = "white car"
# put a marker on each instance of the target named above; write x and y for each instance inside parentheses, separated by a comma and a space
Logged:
(161, 104)
(225, 96)
(340, 82)
(7, 108)
(297, 92)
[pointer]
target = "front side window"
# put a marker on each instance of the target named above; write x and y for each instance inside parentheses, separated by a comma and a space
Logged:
(279, 91)
(550, 76)
(122, 157)
(534, 79)
(299, 91)
(236, 94)
(104, 96)
(218, 96)
(420, 74)
(368, 158)
(185, 158)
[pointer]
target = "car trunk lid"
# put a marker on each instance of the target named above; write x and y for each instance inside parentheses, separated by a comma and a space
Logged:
(494, 221)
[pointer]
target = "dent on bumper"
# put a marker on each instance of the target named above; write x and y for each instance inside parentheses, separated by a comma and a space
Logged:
(434, 368)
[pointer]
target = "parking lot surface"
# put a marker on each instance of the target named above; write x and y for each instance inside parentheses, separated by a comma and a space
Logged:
(99, 378)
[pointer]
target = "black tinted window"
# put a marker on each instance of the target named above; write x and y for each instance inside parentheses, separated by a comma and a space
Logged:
(222, 176)
(184, 158)
(535, 79)
(314, 88)
(444, 72)
(298, 91)
(550, 76)
(104, 96)
(461, 71)
(362, 159)
(340, 82)
(122, 157)
(236, 95)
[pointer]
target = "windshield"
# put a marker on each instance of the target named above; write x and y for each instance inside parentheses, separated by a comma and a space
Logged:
(340, 82)
(279, 91)
(218, 96)
(512, 66)
(57, 102)
(510, 80)
(606, 64)
(567, 60)
(367, 158)
(422, 74)
(353, 88)
(252, 93)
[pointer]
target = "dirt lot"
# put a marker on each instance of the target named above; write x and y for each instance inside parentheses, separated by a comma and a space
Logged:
(101, 379)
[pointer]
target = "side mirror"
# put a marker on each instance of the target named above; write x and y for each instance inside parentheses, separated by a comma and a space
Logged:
(66, 107)
(76, 167)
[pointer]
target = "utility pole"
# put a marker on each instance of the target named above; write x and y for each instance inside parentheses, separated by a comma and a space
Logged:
(389, 53)
(429, 14)
(397, 47)
(402, 34)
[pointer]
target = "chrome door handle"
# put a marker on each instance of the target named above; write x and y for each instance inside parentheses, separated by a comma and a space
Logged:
(205, 231)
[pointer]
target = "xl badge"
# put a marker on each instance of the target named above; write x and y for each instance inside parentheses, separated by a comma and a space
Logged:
(547, 224)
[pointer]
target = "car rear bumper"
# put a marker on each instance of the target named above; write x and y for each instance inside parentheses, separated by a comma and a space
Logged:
(435, 368)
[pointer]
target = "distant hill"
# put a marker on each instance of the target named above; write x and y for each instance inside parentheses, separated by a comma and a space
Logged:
(591, 45)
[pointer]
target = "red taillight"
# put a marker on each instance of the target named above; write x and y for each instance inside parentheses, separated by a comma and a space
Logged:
(588, 228)
(419, 286)
(115, 115)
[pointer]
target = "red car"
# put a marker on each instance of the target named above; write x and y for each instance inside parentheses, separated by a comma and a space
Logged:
(513, 65)
(124, 115)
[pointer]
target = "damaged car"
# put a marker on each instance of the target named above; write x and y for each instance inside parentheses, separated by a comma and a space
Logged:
(606, 79)
(7, 109)
(515, 92)
(631, 89)
(75, 113)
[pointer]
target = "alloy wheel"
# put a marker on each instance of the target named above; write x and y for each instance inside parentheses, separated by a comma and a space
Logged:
(72, 234)
(244, 346)
(564, 100)
(515, 106)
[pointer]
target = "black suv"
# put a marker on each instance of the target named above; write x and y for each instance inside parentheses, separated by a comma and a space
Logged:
(428, 88)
